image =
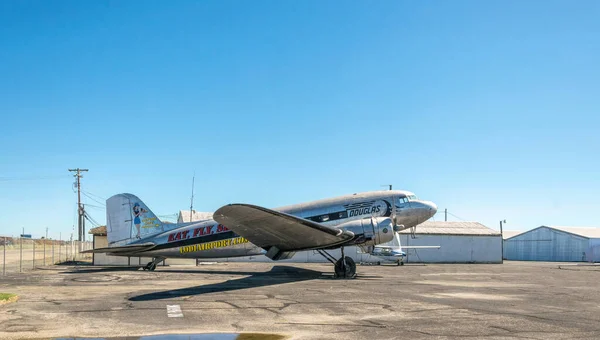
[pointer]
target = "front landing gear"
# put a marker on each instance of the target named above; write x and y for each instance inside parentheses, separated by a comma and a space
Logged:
(152, 265)
(345, 268)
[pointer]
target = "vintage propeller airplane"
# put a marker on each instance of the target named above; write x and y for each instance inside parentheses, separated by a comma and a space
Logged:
(395, 253)
(363, 219)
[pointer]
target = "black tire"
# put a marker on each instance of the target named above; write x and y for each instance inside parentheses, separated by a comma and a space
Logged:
(345, 273)
(152, 267)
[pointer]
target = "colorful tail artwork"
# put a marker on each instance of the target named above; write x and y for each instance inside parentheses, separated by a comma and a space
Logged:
(129, 219)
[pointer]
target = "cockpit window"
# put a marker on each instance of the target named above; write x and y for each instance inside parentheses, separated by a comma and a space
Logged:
(412, 198)
(402, 200)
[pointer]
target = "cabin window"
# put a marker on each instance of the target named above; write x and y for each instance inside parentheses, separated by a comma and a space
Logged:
(324, 218)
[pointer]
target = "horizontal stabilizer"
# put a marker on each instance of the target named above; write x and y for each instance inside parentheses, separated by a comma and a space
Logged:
(132, 248)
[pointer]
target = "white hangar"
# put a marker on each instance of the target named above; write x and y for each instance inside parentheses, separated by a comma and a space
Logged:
(562, 244)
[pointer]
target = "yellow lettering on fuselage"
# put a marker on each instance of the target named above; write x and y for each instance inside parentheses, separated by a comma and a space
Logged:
(212, 245)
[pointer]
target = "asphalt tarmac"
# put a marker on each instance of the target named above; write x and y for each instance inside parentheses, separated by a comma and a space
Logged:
(520, 300)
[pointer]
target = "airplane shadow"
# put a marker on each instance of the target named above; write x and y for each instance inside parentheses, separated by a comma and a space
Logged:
(100, 270)
(277, 275)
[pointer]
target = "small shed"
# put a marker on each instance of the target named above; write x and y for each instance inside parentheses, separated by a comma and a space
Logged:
(100, 240)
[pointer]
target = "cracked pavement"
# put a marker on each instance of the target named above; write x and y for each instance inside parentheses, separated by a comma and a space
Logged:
(515, 300)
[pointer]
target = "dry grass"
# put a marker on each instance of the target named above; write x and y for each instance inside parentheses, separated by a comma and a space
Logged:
(8, 298)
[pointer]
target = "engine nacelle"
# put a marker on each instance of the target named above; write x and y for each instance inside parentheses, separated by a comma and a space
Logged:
(370, 231)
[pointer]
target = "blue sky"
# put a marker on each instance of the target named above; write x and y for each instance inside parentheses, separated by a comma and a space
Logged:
(488, 108)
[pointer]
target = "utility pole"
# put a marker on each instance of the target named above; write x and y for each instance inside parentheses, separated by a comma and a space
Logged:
(21, 252)
(82, 225)
(78, 176)
(502, 238)
(45, 240)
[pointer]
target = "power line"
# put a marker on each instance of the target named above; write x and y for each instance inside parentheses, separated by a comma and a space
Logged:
(460, 218)
(91, 219)
(90, 193)
(94, 206)
(449, 213)
(94, 224)
(93, 199)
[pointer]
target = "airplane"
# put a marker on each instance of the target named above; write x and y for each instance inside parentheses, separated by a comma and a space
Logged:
(395, 254)
(363, 219)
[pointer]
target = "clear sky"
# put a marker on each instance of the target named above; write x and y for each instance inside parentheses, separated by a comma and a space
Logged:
(488, 108)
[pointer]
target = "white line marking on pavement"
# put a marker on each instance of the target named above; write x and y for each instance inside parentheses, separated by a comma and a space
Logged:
(174, 311)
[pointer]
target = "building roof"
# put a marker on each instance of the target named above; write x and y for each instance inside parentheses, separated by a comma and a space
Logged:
(184, 216)
(98, 231)
(511, 233)
(453, 228)
(581, 231)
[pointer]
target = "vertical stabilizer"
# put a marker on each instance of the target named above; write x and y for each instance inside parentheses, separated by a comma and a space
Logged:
(129, 219)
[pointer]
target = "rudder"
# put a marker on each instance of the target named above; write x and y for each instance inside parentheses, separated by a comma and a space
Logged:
(129, 219)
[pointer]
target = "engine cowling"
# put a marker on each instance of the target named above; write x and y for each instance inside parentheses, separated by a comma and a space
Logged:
(371, 231)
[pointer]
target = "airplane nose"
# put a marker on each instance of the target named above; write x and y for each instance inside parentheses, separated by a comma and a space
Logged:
(432, 208)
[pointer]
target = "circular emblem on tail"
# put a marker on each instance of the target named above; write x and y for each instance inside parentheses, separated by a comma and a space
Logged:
(385, 230)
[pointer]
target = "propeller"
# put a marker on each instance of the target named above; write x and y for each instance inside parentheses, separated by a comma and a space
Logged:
(394, 219)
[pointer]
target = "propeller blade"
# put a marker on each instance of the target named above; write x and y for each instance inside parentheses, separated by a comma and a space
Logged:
(394, 220)
(398, 241)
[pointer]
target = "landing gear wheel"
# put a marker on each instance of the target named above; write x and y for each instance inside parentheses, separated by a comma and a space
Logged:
(345, 268)
(150, 266)
(379, 263)
(401, 263)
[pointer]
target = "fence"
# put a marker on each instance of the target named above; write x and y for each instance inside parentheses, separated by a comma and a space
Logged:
(25, 254)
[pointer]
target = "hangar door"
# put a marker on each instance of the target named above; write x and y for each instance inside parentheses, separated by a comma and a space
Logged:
(546, 244)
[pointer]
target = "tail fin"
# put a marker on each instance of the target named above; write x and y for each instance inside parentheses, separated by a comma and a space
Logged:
(128, 218)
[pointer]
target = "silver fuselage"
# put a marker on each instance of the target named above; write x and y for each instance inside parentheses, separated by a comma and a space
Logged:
(209, 239)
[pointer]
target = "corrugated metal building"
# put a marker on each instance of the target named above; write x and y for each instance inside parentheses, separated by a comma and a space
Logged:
(187, 216)
(562, 244)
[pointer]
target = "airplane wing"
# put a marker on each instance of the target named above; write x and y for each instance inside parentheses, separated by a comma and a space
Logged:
(408, 247)
(269, 228)
(131, 248)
